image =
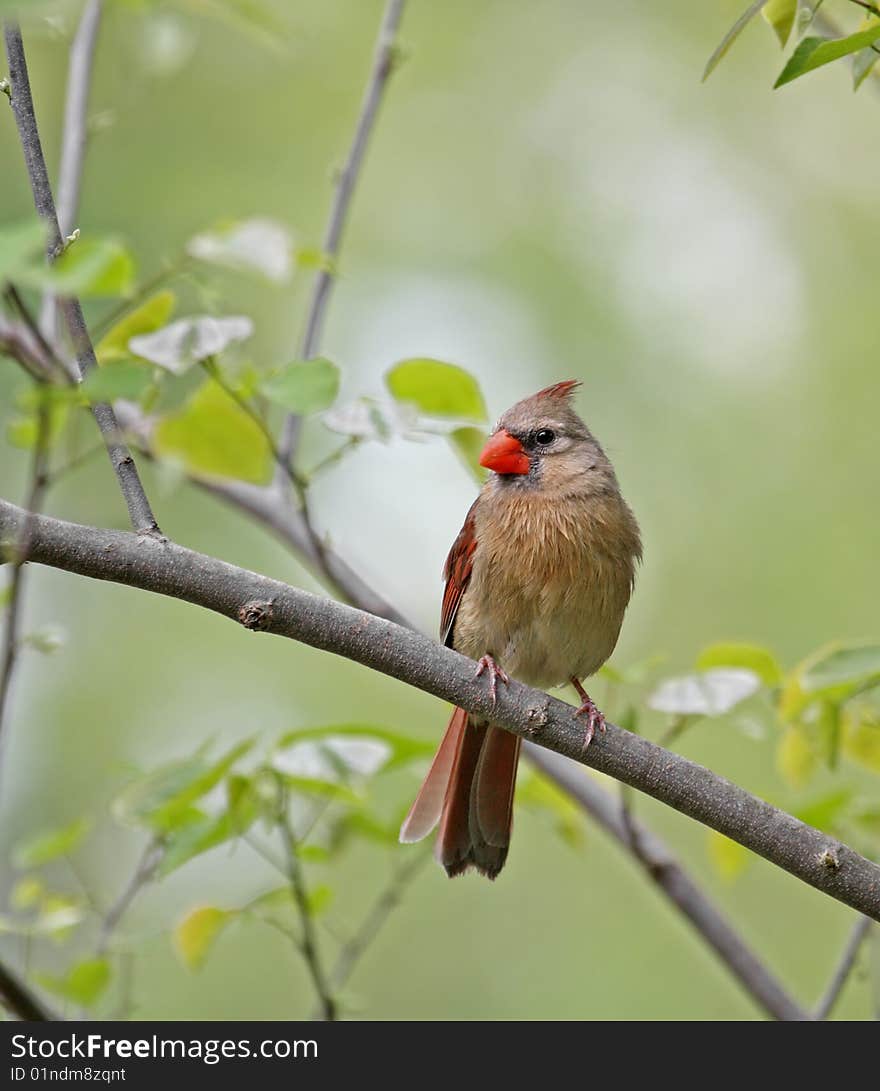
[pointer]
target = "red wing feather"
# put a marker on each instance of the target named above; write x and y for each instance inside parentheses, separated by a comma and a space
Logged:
(457, 573)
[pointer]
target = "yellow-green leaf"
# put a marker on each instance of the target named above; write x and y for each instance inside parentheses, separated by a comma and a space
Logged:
(49, 845)
(861, 738)
(150, 316)
(198, 932)
(780, 14)
(83, 983)
(813, 53)
(213, 435)
(752, 657)
(795, 757)
(304, 386)
(468, 442)
(437, 389)
(91, 268)
(729, 858)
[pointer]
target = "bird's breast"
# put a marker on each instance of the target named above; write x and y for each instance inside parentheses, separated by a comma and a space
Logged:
(549, 586)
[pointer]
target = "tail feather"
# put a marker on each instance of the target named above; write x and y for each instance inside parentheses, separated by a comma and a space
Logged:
(428, 805)
(491, 800)
(469, 790)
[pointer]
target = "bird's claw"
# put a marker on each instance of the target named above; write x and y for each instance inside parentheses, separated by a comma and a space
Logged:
(595, 719)
(487, 663)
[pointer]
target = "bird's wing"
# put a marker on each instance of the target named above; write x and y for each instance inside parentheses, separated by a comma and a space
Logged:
(457, 573)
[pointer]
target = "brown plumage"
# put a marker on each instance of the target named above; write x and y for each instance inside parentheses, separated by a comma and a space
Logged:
(537, 583)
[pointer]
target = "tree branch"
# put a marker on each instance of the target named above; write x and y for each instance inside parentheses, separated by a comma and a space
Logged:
(383, 64)
(139, 510)
(149, 860)
(20, 1000)
(74, 136)
(844, 968)
(308, 940)
(20, 549)
(263, 604)
(671, 878)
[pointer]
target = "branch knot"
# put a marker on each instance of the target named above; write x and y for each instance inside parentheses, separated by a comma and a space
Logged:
(256, 616)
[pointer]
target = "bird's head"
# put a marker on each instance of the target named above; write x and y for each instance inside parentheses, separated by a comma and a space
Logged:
(542, 443)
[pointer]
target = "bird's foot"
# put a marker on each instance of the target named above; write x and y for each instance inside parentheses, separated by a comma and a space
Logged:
(488, 664)
(595, 718)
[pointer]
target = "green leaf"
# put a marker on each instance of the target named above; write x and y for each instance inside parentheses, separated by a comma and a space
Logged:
(729, 858)
(83, 983)
(861, 737)
(437, 389)
(468, 443)
(206, 833)
(163, 800)
(179, 345)
(258, 245)
(150, 316)
(731, 36)
(842, 665)
(20, 245)
(89, 268)
(213, 435)
(795, 757)
(49, 845)
(27, 892)
(303, 387)
(319, 899)
(198, 932)
(751, 657)
(780, 14)
(123, 379)
(813, 53)
(862, 66)
(315, 786)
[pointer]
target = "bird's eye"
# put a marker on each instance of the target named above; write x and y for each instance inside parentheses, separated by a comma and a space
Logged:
(545, 437)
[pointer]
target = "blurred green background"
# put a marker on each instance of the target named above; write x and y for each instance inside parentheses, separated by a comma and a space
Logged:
(551, 192)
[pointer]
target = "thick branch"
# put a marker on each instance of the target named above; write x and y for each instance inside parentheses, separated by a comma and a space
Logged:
(139, 510)
(18, 998)
(383, 63)
(268, 605)
(671, 878)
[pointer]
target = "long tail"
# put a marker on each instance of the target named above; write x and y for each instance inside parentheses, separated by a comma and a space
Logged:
(469, 791)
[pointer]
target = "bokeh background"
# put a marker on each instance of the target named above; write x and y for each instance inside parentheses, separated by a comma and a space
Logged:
(551, 192)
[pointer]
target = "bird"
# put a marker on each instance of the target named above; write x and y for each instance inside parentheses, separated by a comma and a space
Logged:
(537, 583)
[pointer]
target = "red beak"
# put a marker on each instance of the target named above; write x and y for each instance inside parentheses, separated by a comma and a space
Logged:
(504, 454)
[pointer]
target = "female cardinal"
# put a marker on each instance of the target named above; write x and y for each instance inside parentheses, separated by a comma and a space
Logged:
(537, 583)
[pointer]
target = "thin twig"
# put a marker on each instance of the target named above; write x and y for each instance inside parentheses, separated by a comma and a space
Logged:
(143, 873)
(844, 967)
(267, 605)
(74, 136)
(15, 300)
(139, 509)
(17, 342)
(376, 917)
(308, 944)
(383, 65)
(20, 552)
